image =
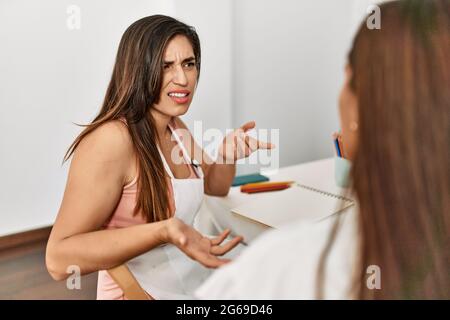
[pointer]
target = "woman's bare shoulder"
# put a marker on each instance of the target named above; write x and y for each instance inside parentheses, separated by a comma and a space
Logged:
(109, 142)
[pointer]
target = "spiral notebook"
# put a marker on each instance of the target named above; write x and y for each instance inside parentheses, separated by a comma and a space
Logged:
(278, 208)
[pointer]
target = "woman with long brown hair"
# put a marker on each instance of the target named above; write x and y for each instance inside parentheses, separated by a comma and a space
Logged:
(394, 112)
(132, 186)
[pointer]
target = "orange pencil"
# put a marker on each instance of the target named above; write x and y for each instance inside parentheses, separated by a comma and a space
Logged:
(266, 189)
(260, 184)
(341, 147)
(260, 187)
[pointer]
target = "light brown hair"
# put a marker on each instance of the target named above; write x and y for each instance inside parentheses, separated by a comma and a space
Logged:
(134, 88)
(400, 174)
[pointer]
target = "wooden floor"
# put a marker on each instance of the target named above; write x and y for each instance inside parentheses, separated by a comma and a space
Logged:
(23, 275)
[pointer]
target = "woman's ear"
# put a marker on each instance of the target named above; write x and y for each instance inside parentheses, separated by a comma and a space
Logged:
(348, 73)
(351, 101)
(349, 114)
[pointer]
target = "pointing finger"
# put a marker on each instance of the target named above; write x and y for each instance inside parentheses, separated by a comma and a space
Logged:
(249, 125)
(265, 145)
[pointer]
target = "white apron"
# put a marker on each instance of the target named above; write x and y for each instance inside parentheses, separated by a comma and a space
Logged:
(165, 272)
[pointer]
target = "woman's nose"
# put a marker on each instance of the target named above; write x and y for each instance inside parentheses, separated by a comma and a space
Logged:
(179, 76)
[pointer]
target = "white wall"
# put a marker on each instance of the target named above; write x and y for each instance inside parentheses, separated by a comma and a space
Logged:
(289, 60)
(212, 20)
(277, 62)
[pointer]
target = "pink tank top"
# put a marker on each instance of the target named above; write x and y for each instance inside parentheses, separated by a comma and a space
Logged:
(122, 217)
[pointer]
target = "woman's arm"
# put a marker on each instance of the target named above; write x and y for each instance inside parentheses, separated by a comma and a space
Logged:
(217, 177)
(97, 174)
(219, 174)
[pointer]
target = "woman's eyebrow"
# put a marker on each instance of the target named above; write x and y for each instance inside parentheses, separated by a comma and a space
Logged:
(190, 59)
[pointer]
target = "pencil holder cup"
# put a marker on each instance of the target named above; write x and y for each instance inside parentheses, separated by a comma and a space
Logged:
(342, 172)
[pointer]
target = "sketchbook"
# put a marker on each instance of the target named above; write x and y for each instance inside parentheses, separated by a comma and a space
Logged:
(279, 208)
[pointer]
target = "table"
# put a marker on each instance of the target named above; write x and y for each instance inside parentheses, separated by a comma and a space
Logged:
(317, 174)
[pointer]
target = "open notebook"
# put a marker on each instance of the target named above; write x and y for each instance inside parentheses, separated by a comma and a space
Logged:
(298, 202)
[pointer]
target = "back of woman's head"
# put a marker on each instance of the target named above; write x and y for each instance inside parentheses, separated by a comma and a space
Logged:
(401, 79)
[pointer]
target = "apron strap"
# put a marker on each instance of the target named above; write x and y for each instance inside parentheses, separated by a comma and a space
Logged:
(166, 165)
(186, 156)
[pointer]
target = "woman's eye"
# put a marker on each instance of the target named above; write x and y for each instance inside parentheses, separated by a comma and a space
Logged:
(189, 65)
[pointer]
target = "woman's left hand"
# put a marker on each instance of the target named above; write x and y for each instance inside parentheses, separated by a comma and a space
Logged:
(198, 247)
(238, 144)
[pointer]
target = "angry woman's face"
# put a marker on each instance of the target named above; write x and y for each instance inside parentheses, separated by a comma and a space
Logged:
(179, 78)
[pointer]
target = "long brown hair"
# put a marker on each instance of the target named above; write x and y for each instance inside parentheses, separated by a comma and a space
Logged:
(400, 174)
(134, 88)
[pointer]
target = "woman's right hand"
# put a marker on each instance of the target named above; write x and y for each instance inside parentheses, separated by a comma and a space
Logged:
(198, 247)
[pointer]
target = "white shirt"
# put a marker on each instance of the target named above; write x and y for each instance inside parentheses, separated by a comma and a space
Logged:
(283, 264)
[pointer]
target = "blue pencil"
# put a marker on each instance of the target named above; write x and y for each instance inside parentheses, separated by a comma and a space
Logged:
(338, 150)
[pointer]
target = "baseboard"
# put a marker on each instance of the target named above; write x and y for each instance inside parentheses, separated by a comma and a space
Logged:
(18, 239)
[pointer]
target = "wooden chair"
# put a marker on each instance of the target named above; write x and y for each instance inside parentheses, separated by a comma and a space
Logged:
(131, 288)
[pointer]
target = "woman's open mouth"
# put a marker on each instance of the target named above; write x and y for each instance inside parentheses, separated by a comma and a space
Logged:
(179, 96)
